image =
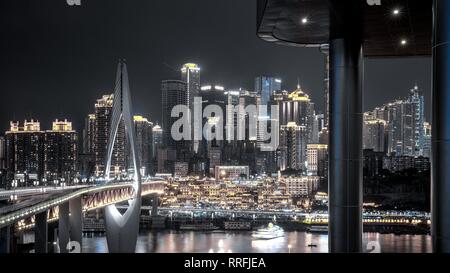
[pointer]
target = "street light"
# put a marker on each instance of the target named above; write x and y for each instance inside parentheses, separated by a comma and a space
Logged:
(14, 185)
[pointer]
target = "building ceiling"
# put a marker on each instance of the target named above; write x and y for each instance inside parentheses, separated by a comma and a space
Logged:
(394, 28)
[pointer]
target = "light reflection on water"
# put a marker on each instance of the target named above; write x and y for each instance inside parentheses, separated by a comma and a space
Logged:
(242, 242)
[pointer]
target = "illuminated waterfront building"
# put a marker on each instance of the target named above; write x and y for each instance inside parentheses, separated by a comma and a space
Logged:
(301, 185)
(231, 172)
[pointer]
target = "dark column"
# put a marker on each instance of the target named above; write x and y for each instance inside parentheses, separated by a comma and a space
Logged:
(441, 128)
(76, 220)
(5, 239)
(63, 227)
(346, 118)
(41, 233)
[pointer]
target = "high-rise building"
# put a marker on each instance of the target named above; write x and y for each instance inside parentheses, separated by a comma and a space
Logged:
(293, 147)
(157, 134)
(317, 159)
(374, 134)
(24, 157)
(190, 74)
(60, 151)
(325, 49)
(213, 95)
(144, 139)
(297, 107)
(265, 87)
(405, 119)
(417, 101)
(427, 140)
(103, 113)
(2, 153)
(89, 135)
(174, 93)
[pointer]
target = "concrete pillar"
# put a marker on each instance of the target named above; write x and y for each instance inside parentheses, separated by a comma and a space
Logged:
(76, 220)
(346, 118)
(41, 233)
(441, 127)
(5, 239)
(63, 227)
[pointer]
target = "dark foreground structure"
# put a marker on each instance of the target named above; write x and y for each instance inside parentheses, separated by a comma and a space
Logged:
(354, 30)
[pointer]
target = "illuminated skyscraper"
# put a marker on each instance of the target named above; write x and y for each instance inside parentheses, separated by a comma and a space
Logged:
(265, 87)
(297, 107)
(374, 134)
(427, 140)
(190, 74)
(213, 95)
(103, 109)
(174, 93)
(24, 157)
(144, 145)
(157, 135)
(2, 153)
(293, 147)
(89, 135)
(317, 159)
(406, 124)
(60, 151)
(325, 49)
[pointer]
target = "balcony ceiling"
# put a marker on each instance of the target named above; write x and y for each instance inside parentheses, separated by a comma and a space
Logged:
(396, 28)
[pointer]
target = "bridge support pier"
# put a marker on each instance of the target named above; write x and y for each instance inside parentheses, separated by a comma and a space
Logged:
(41, 233)
(440, 170)
(63, 227)
(76, 220)
(346, 118)
(5, 239)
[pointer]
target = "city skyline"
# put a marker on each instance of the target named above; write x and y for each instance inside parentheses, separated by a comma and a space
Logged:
(80, 71)
(257, 126)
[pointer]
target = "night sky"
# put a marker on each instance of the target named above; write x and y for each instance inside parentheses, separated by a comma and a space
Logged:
(56, 60)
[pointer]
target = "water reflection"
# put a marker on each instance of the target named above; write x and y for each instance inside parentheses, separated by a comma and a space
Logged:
(242, 242)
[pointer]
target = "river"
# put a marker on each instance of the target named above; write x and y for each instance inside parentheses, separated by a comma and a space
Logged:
(241, 242)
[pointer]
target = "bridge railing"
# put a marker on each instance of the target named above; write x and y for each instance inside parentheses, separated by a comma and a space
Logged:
(16, 216)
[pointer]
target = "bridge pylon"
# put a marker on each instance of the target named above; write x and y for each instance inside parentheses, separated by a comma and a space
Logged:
(122, 229)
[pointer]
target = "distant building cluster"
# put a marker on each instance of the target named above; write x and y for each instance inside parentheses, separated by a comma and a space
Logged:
(31, 155)
(396, 138)
(279, 193)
